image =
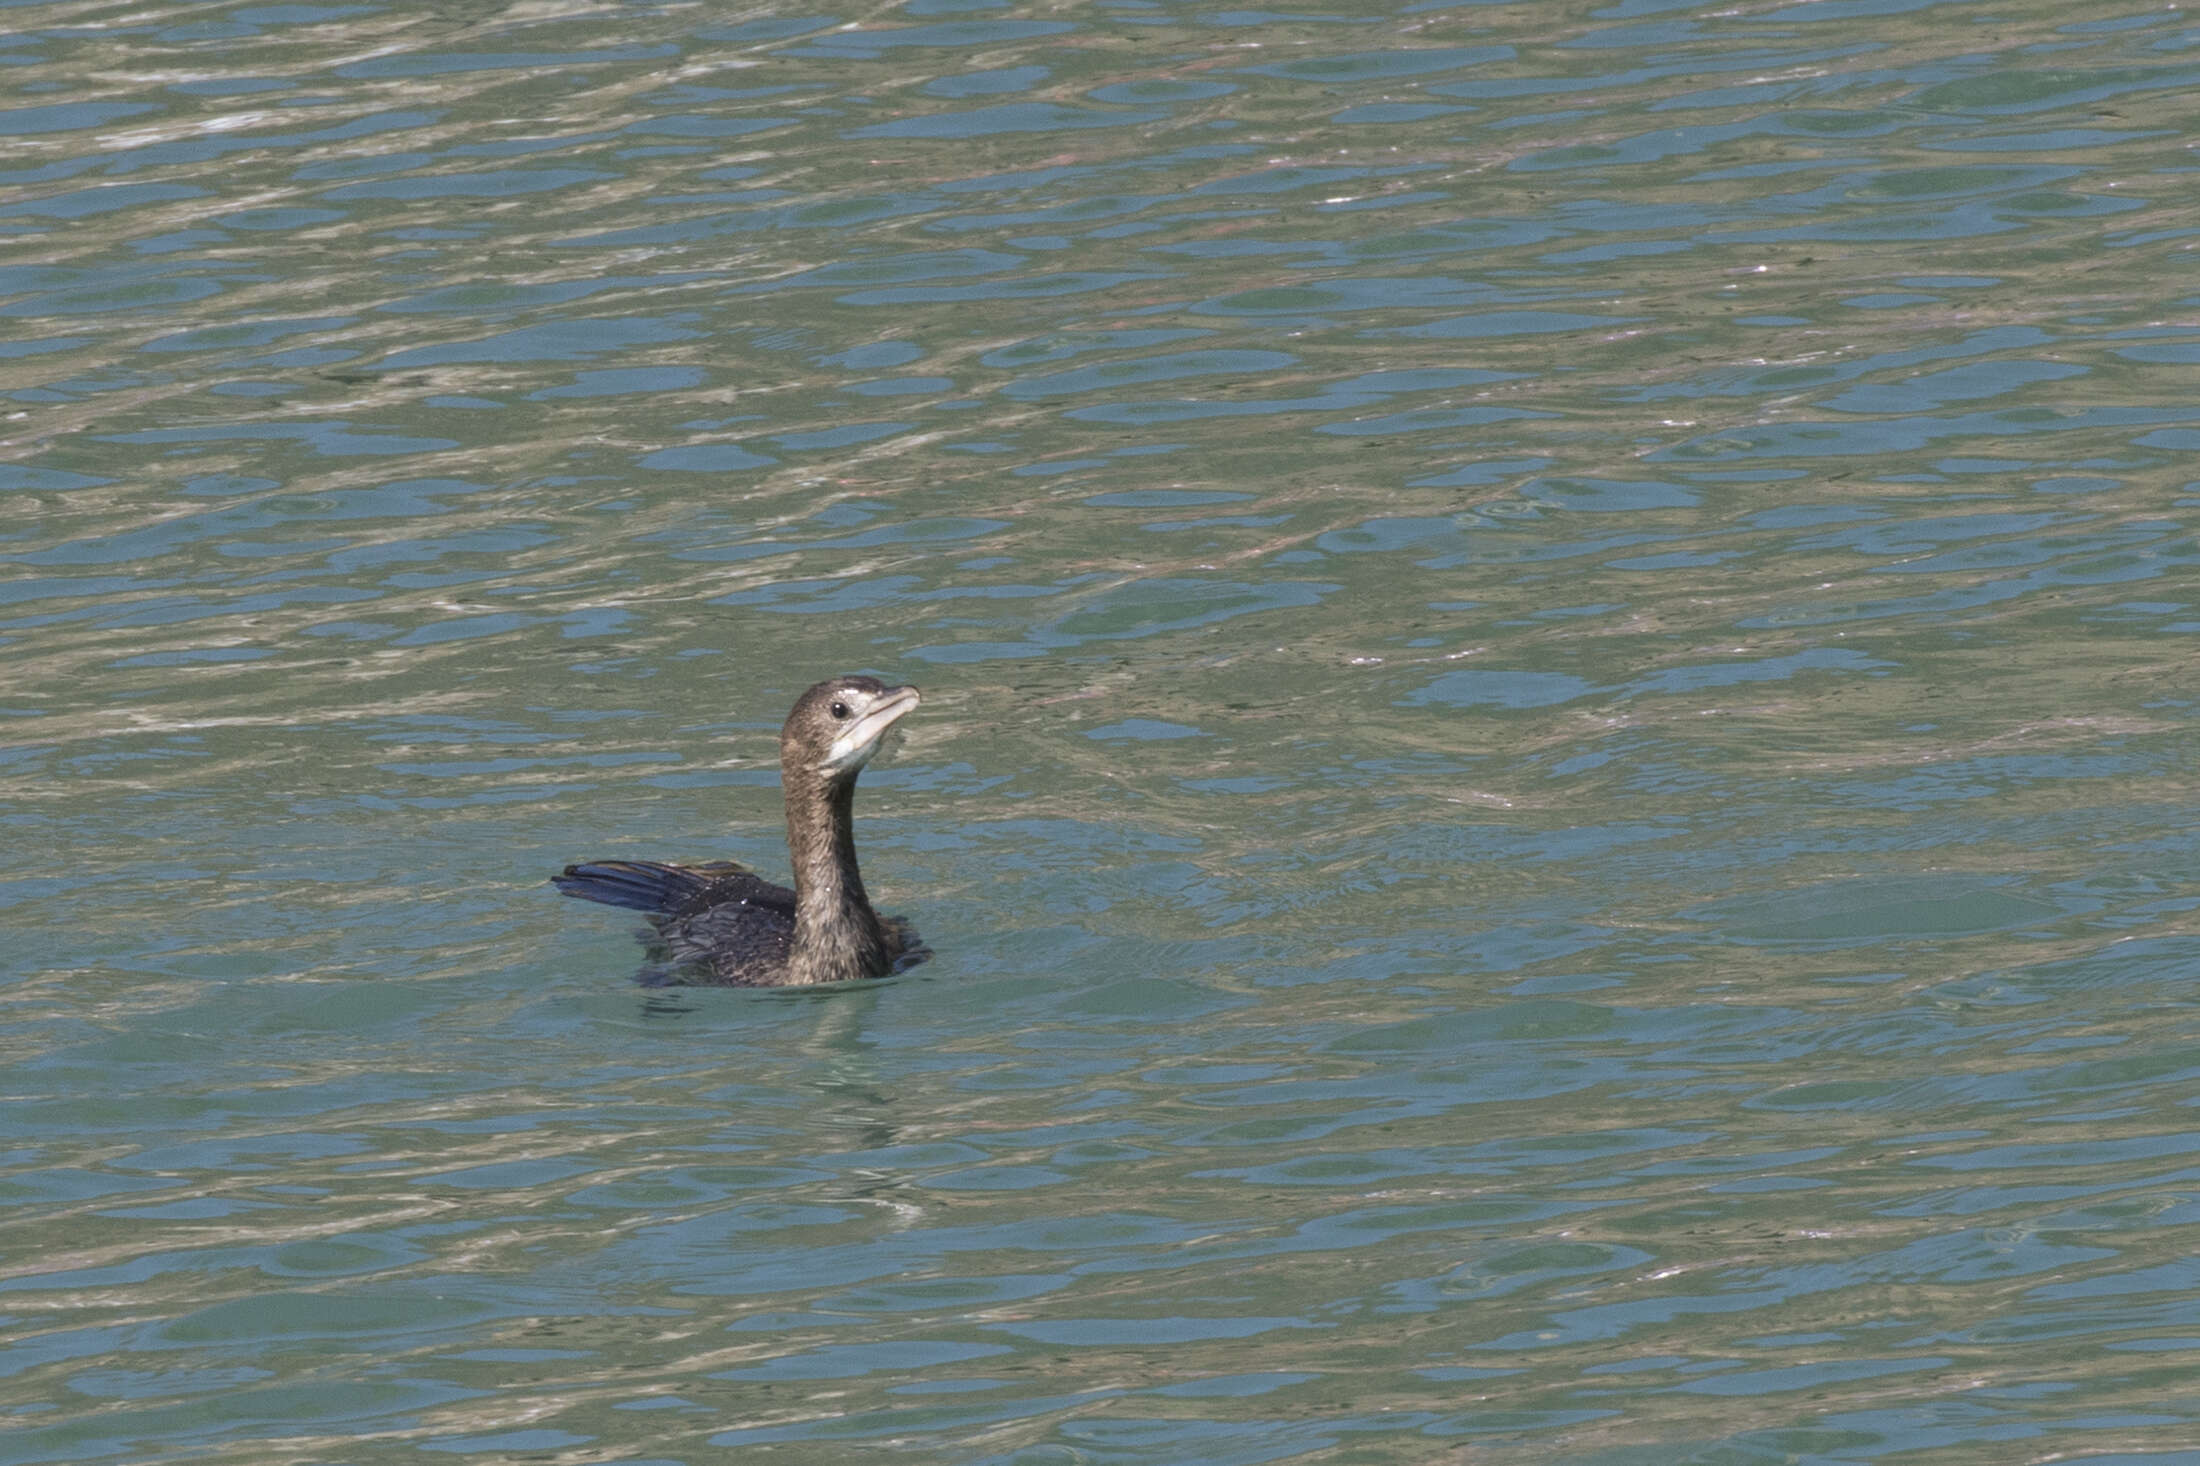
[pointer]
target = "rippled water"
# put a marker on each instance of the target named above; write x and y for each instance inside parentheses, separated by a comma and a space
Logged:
(1555, 794)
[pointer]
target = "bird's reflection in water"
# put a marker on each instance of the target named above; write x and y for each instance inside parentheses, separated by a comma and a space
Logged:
(845, 1072)
(669, 1003)
(856, 1112)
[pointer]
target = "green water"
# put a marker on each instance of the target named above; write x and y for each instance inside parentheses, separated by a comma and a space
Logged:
(1554, 796)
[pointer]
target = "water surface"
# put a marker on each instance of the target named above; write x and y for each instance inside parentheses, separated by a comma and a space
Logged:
(1554, 791)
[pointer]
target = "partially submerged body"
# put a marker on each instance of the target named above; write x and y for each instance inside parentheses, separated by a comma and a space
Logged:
(721, 923)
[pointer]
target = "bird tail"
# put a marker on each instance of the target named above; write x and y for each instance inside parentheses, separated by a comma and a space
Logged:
(637, 885)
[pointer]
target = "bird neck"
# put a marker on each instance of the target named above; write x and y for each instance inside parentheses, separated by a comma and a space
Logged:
(837, 936)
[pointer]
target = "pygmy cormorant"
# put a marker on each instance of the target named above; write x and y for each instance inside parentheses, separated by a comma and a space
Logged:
(723, 924)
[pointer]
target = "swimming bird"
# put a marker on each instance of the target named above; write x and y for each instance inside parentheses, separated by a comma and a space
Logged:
(722, 924)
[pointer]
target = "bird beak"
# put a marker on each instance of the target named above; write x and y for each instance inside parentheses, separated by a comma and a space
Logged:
(854, 747)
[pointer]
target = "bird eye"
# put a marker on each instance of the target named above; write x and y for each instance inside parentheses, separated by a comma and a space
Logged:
(840, 710)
